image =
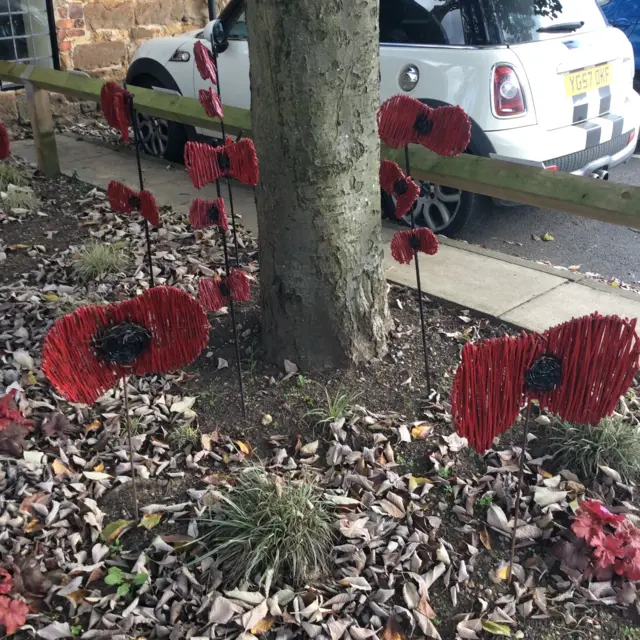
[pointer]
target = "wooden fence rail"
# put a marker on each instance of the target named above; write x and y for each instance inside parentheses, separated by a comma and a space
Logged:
(605, 201)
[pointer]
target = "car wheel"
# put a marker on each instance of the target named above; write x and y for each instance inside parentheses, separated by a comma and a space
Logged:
(442, 209)
(159, 137)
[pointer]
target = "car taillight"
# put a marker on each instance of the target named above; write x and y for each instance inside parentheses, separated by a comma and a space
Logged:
(507, 93)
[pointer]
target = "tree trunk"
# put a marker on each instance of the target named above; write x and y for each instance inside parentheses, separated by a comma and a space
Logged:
(315, 91)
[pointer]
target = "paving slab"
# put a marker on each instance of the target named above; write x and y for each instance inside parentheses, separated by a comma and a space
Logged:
(472, 280)
(571, 300)
(517, 291)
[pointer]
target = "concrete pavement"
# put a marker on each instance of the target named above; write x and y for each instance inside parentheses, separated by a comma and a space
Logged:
(512, 289)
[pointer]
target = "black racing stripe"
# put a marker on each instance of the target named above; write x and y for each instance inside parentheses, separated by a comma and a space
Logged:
(593, 133)
(580, 107)
(605, 100)
(618, 124)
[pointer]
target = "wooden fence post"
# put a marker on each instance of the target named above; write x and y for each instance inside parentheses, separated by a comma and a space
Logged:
(43, 132)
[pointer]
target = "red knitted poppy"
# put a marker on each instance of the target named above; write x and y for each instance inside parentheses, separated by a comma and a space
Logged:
(599, 356)
(205, 164)
(403, 120)
(215, 293)
(125, 200)
(207, 213)
(578, 370)
(204, 62)
(5, 149)
(115, 103)
(210, 101)
(85, 352)
(487, 389)
(397, 184)
(405, 243)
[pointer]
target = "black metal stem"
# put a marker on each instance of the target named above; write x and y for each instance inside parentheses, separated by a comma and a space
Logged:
(136, 139)
(133, 467)
(519, 494)
(419, 283)
(232, 310)
(231, 208)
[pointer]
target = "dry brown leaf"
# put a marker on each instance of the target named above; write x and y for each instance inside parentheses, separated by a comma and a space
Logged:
(422, 432)
(99, 468)
(59, 469)
(93, 426)
(244, 447)
(393, 631)
(263, 626)
(37, 498)
(485, 539)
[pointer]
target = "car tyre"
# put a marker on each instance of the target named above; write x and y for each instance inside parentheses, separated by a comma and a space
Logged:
(431, 202)
(160, 138)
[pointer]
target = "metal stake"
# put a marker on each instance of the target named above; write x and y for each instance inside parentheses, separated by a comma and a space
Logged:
(227, 268)
(133, 467)
(419, 283)
(136, 138)
(519, 494)
(224, 139)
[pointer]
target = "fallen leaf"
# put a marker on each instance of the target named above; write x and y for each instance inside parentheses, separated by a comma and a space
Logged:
(93, 426)
(545, 497)
(183, 405)
(222, 363)
(266, 420)
(150, 520)
(37, 498)
(99, 467)
(51, 297)
(497, 518)
(96, 475)
(253, 617)
(422, 432)
(393, 631)
(12, 439)
(290, 367)
(502, 572)
(310, 448)
(24, 359)
(536, 238)
(115, 529)
(263, 626)
(496, 629)
(56, 425)
(547, 237)
(245, 448)
(611, 473)
(59, 469)
(13, 614)
(485, 539)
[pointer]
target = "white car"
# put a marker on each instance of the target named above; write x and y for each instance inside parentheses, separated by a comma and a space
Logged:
(542, 85)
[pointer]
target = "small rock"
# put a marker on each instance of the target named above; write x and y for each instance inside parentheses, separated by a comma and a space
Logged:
(266, 419)
(519, 634)
(290, 367)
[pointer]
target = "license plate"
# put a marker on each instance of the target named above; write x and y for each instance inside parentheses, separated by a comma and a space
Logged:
(587, 80)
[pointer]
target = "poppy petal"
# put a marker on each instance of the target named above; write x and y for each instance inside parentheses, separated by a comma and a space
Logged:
(397, 184)
(210, 101)
(487, 389)
(82, 367)
(206, 164)
(403, 120)
(207, 213)
(405, 243)
(204, 62)
(599, 357)
(115, 102)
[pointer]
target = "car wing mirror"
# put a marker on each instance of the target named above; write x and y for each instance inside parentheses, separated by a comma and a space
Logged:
(214, 31)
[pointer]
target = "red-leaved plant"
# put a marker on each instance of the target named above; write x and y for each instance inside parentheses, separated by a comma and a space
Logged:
(613, 540)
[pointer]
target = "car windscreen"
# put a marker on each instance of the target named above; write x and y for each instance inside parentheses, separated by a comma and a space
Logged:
(484, 22)
(519, 21)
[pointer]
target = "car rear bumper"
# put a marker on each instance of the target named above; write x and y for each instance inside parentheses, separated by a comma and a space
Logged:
(580, 149)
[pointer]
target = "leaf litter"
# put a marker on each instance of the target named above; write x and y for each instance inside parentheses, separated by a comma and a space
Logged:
(414, 555)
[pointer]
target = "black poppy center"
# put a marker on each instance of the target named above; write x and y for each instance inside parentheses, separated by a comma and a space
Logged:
(122, 343)
(545, 374)
(135, 202)
(213, 214)
(414, 241)
(224, 288)
(423, 125)
(223, 161)
(401, 187)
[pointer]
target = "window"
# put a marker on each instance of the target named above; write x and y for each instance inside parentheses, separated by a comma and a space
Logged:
(431, 22)
(24, 32)
(238, 30)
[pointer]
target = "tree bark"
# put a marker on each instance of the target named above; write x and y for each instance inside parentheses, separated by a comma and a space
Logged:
(315, 91)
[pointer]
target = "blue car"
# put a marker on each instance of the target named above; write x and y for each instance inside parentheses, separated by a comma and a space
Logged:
(625, 14)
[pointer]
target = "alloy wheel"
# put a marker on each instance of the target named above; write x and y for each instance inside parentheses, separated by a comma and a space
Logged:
(154, 134)
(436, 207)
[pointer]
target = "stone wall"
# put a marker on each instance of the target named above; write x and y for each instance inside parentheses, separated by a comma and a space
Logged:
(100, 37)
